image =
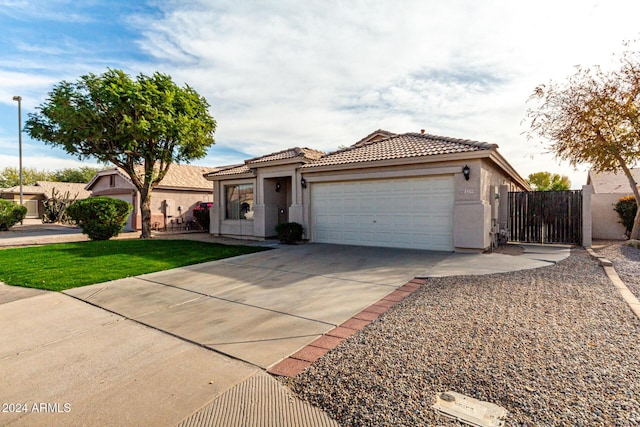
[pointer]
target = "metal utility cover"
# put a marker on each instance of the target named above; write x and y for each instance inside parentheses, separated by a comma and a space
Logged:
(469, 410)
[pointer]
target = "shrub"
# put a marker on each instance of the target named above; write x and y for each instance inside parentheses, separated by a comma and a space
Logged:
(289, 232)
(627, 208)
(10, 214)
(100, 218)
(201, 214)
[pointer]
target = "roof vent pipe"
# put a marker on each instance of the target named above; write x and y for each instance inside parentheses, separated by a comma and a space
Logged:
(422, 131)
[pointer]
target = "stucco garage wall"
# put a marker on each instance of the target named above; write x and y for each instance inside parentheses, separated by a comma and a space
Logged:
(187, 199)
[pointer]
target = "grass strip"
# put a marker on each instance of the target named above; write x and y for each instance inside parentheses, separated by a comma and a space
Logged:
(69, 265)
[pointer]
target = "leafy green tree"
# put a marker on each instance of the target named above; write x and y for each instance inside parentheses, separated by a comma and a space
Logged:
(546, 181)
(594, 118)
(141, 125)
(10, 177)
(79, 175)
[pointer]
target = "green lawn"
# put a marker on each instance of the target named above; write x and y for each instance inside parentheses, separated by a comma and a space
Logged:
(69, 265)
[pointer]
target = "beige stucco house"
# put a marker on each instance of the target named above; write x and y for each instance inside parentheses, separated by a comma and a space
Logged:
(34, 196)
(172, 201)
(412, 190)
(608, 188)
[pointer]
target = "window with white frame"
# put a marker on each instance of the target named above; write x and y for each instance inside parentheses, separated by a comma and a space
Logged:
(239, 201)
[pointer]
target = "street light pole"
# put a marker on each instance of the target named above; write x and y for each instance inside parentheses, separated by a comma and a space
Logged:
(19, 99)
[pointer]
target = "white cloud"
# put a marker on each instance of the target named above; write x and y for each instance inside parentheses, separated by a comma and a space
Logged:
(325, 73)
(284, 73)
(43, 162)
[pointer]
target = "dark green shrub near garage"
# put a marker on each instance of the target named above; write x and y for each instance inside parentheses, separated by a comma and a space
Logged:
(10, 214)
(289, 232)
(100, 218)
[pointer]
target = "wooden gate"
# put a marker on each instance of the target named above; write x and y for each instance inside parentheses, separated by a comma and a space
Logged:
(546, 217)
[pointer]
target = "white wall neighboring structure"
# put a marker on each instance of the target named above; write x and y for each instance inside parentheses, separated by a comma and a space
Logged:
(608, 188)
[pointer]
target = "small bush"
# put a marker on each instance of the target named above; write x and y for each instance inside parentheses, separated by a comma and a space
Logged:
(627, 208)
(100, 218)
(289, 232)
(10, 214)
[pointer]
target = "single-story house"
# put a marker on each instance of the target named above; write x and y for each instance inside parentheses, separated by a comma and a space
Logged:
(172, 200)
(412, 190)
(608, 188)
(34, 196)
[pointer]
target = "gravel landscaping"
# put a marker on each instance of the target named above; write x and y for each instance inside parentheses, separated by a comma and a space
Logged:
(555, 346)
(626, 261)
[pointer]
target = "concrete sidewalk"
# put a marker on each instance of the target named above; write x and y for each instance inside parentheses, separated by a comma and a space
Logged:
(146, 357)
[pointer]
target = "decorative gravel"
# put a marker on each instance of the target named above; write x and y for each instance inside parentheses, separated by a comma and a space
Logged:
(626, 261)
(555, 346)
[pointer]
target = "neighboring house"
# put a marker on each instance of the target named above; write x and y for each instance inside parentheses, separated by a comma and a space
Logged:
(407, 191)
(34, 196)
(608, 188)
(172, 200)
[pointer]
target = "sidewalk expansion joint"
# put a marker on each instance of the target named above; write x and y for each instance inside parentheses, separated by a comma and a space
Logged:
(307, 355)
(235, 302)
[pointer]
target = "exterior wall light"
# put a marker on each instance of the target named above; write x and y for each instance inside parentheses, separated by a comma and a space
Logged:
(466, 172)
(303, 183)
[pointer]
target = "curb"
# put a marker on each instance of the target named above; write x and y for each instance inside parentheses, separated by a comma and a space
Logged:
(625, 293)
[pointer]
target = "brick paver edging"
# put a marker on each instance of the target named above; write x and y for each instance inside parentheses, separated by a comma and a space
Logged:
(303, 358)
(625, 293)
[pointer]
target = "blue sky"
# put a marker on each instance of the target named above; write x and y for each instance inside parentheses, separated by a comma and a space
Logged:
(317, 74)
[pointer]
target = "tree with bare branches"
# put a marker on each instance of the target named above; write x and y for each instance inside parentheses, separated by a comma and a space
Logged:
(594, 117)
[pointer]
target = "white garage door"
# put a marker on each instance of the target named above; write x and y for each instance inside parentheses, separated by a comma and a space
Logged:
(401, 213)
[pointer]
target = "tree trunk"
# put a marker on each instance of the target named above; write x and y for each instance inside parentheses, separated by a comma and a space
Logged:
(145, 209)
(635, 231)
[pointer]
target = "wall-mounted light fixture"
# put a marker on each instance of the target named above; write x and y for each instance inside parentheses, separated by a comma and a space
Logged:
(303, 183)
(466, 172)
(278, 187)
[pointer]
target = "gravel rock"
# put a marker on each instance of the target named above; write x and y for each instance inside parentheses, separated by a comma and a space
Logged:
(555, 346)
(626, 261)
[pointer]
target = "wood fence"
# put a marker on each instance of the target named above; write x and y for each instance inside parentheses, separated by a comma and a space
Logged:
(546, 217)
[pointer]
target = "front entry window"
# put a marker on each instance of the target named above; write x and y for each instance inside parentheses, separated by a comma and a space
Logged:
(239, 201)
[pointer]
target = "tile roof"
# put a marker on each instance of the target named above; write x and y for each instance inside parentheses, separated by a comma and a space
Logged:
(407, 145)
(46, 188)
(178, 176)
(290, 153)
(376, 135)
(187, 176)
(26, 189)
(612, 183)
(63, 187)
(231, 170)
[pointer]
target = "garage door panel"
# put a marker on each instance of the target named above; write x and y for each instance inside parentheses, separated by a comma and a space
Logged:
(408, 212)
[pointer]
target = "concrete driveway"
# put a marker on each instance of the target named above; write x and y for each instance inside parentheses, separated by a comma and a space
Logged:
(260, 308)
(144, 356)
